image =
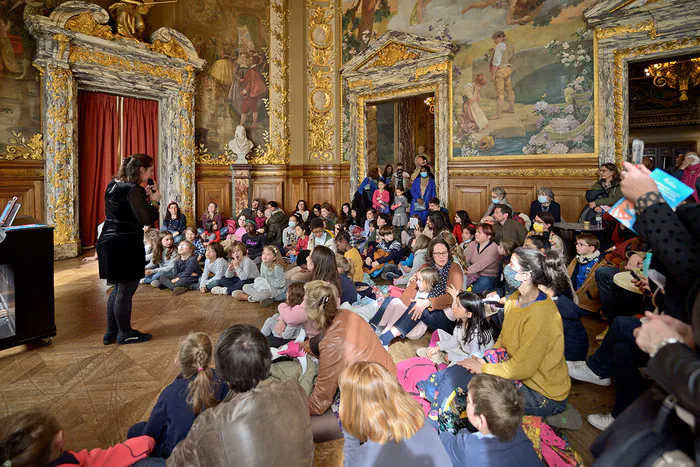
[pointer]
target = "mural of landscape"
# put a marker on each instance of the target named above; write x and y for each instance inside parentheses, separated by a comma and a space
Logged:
(523, 75)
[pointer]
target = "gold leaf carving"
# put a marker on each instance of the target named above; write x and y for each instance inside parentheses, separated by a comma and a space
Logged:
(172, 48)
(21, 173)
(85, 23)
(534, 172)
(648, 26)
(202, 156)
(360, 83)
(620, 82)
(422, 71)
(83, 55)
(20, 148)
(391, 54)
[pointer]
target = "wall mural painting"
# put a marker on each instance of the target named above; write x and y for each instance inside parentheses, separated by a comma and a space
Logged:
(232, 36)
(522, 78)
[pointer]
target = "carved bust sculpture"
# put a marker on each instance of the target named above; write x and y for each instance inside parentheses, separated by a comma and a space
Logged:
(240, 145)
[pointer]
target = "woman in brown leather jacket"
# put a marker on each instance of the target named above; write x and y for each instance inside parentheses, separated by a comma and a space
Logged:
(345, 338)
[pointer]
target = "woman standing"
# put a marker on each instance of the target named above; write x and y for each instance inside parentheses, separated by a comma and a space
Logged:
(120, 247)
(422, 191)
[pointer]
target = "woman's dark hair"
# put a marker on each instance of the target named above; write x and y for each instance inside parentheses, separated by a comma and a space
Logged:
(243, 357)
(486, 229)
(427, 169)
(540, 242)
(316, 206)
(509, 246)
(439, 224)
(169, 216)
(431, 259)
(386, 169)
(305, 205)
(614, 169)
(27, 438)
(464, 218)
(561, 281)
(373, 173)
(547, 218)
(325, 268)
(327, 206)
(130, 169)
(478, 327)
(386, 218)
(216, 211)
(544, 271)
(341, 214)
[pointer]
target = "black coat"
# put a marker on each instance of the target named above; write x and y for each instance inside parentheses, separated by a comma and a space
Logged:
(120, 248)
(554, 210)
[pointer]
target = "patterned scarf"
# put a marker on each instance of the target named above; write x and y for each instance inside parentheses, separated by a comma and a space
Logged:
(441, 287)
(584, 259)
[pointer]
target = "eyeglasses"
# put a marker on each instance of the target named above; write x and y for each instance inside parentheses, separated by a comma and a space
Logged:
(441, 253)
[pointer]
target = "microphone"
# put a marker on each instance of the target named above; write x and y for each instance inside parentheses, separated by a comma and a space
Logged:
(151, 185)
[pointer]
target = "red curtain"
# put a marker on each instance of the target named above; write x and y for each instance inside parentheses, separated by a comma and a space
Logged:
(140, 129)
(98, 139)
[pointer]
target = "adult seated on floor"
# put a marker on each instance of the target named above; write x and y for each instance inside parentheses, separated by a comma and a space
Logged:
(261, 421)
(275, 224)
(505, 226)
(325, 269)
(542, 225)
(498, 196)
(345, 338)
(545, 202)
(533, 337)
(483, 260)
(407, 313)
(435, 224)
(319, 237)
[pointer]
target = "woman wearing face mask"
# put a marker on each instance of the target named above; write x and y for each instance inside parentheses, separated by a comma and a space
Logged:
(545, 202)
(542, 225)
(498, 196)
(422, 191)
(533, 336)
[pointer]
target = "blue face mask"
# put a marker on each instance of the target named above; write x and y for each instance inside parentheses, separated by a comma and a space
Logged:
(543, 199)
(424, 174)
(292, 224)
(510, 273)
(495, 200)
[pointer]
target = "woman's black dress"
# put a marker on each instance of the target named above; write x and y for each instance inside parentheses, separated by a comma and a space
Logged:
(120, 249)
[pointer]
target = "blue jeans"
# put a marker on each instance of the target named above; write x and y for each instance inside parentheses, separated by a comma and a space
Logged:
(484, 283)
(436, 319)
(380, 313)
(222, 233)
(154, 276)
(539, 405)
(620, 358)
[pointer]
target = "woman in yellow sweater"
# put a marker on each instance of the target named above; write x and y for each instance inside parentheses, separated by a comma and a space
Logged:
(533, 336)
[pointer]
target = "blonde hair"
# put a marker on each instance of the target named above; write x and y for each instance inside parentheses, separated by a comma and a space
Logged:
(430, 277)
(321, 303)
(421, 243)
(195, 356)
(278, 260)
(344, 266)
(374, 406)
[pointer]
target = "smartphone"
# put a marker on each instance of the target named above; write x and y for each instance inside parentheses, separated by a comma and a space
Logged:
(635, 275)
(637, 151)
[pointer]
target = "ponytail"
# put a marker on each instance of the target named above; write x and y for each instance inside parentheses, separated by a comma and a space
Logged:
(321, 302)
(27, 439)
(195, 356)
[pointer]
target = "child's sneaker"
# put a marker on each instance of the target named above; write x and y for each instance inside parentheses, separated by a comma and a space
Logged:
(179, 290)
(266, 302)
(218, 291)
(155, 284)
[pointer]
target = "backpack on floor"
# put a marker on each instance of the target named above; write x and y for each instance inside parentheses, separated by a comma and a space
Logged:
(554, 451)
(411, 371)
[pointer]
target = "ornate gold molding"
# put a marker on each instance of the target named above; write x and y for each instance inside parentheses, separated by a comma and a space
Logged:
(391, 54)
(619, 82)
(83, 55)
(268, 173)
(186, 154)
(532, 172)
(85, 23)
(172, 48)
(202, 156)
(20, 148)
(21, 173)
(360, 83)
(321, 67)
(277, 148)
(648, 26)
(422, 71)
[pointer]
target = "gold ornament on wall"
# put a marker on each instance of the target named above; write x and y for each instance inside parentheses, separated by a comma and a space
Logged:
(171, 48)
(422, 71)
(391, 54)
(85, 23)
(680, 75)
(21, 148)
(129, 16)
(648, 26)
(83, 55)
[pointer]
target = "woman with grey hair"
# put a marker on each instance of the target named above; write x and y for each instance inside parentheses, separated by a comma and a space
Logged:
(498, 196)
(545, 202)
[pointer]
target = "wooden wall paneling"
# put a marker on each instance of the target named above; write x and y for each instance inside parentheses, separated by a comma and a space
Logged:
(268, 190)
(213, 189)
(23, 179)
(344, 192)
(321, 189)
(471, 195)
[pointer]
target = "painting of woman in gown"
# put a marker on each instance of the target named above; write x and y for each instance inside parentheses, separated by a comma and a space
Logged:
(473, 119)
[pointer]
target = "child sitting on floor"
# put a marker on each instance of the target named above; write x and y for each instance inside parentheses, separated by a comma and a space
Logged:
(343, 245)
(580, 270)
(240, 228)
(260, 218)
(472, 335)
(195, 389)
(468, 233)
(215, 265)
(390, 252)
(253, 241)
(271, 283)
(241, 270)
(164, 256)
(495, 408)
(301, 232)
(35, 438)
(185, 272)
(287, 323)
(199, 248)
(425, 279)
(289, 237)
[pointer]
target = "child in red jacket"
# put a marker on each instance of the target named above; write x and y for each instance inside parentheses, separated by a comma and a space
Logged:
(36, 438)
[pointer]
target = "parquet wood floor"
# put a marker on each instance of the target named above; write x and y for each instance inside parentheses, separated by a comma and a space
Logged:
(98, 392)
